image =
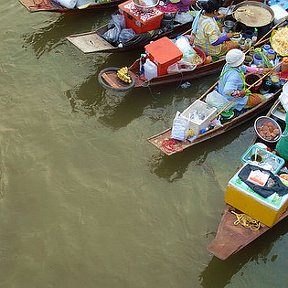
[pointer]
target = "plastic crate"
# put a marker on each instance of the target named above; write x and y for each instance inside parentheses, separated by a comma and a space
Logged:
(199, 107)
(266, 159)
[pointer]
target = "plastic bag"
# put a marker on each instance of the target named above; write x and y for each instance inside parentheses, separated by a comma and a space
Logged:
(217, 100)
(112, 35)
(67, 3)
(284, 101)
(181, 66)
(180, 127)
(183, 17)
(117, 20)
(183, 44)
(126, 35)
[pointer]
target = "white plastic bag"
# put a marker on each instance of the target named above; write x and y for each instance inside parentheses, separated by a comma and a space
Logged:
(181, 66)
(183, 17)
(183, 44)
(67, 3)
(284, 101)
(217, 100)
(180, 127)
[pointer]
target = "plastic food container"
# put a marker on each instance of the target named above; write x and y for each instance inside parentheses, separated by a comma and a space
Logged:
(264, 158)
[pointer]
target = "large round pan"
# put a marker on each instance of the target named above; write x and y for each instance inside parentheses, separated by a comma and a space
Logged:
(253, 14)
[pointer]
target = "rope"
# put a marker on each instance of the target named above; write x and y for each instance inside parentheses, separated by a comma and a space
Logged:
(246, 221)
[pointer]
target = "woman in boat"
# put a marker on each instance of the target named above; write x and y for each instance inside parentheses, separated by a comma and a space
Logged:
(232, 84)
(206, 33)
(282, 144)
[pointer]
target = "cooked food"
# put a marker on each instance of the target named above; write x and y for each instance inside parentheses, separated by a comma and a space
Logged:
(279, 41)
(253, 16)
(196, 59)
(284, 176)
(268, 130)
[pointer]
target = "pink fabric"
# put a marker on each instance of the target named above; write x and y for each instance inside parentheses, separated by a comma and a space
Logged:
(253, 69)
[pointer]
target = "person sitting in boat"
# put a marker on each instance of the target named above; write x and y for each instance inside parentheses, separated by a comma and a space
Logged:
(206, 33)
(232, 84)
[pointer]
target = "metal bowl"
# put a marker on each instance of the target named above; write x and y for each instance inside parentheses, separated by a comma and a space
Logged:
(265, 119)
(145, 5)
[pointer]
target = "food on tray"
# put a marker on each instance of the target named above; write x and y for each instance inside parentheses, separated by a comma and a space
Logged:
(253, 16)
(279, 41)
(268, 130)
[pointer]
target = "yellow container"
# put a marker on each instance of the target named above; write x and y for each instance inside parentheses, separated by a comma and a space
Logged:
(242, 197)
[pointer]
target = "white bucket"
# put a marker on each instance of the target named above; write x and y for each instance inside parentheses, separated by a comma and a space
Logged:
(284, 97)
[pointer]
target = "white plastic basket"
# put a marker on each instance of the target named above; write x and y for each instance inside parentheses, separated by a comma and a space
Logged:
(199, 107)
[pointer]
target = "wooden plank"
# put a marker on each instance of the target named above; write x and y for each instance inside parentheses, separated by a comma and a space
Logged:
(112, 81)
(90, 42)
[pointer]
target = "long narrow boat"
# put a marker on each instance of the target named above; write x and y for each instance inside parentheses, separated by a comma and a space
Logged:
(230, 238)
(91, 42)
(108, 79)
(51, 6)
(170, 146)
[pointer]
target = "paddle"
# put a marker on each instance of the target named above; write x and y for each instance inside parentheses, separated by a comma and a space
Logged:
(248, 88)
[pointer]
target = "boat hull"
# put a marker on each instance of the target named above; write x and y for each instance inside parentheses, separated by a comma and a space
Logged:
(50, 6)
(231, 238)
(92, 42)
(160, 139)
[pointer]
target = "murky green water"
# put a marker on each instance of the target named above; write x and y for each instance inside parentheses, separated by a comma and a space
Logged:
(85, 200)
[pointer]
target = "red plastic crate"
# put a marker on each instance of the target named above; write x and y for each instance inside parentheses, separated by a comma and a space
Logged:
(163, 52)
(136, 22)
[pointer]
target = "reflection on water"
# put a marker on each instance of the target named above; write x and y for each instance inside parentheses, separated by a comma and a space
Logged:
(257, 252)
(54, 32)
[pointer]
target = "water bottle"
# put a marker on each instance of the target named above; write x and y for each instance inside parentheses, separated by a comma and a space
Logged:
(254, 36)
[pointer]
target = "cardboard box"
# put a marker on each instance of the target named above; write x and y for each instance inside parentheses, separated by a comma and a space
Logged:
(242, 197)
(163, 52)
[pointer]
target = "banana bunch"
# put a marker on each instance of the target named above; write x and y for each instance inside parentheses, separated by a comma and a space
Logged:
(123, 75)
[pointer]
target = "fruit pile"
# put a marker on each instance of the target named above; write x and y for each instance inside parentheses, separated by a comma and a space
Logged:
(123, 75)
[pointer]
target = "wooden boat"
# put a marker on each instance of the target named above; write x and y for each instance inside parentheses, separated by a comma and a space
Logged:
(90, 42)
(109, 80)
(170, 146)
(51, 6)
(230, 238)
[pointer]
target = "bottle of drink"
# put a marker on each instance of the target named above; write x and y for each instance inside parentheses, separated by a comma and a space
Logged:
(254, 36)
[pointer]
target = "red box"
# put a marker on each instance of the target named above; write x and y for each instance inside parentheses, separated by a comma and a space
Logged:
(163, 52)
(139, 21)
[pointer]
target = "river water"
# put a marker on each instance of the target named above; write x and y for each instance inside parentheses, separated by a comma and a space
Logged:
(85, 200)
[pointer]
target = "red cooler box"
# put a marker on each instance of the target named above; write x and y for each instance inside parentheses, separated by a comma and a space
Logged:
(163, 52)
(138, 20)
